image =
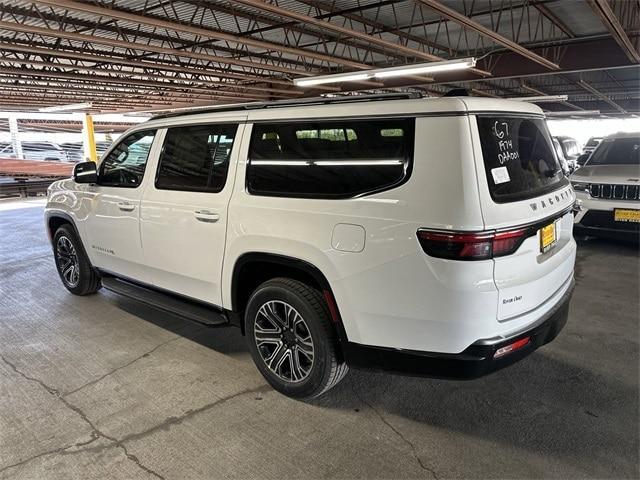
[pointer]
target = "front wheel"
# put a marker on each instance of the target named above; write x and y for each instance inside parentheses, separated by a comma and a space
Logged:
(291, 338)
(72, 263)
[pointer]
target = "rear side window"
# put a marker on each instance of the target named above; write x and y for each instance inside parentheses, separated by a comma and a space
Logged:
(519, 158)
(329, 159)
(196, 158)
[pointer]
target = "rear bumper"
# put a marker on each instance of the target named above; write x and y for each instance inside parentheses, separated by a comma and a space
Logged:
(476, 361)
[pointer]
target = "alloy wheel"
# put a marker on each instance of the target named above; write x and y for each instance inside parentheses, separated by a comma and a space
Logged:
(284, 341)
(67, 260)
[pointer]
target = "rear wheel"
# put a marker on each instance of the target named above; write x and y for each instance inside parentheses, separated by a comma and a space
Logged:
(291, 338)
(72, 263)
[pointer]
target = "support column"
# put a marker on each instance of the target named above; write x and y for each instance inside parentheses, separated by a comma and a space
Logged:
(15, 138)
(89, 141)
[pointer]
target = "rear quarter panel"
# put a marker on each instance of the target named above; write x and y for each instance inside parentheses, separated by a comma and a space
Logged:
(389, 294)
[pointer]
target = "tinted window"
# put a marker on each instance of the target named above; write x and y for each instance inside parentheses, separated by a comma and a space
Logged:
(619, 151)
(125, 164)
(329, 159)
(196, 158)
(519, 159)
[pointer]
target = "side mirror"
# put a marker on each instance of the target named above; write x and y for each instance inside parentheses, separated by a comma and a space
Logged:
(85, 172)
(582, 159)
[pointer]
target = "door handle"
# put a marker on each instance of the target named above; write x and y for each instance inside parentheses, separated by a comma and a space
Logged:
(126, 206)
(206, 216)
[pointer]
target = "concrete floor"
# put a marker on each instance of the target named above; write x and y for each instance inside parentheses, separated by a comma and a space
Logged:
(100, 386)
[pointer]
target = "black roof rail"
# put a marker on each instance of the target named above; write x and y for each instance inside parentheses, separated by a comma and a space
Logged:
(299, 102)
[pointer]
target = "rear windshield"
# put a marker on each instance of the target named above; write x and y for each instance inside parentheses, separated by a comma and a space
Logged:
(519, 158)
(619, 151)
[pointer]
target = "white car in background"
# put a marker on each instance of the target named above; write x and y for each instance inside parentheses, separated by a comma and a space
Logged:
(48, 151)
(608, 189)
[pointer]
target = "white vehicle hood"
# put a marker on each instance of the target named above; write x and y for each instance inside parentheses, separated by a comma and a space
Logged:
(620, 174)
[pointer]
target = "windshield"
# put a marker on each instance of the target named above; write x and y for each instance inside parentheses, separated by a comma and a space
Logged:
(519, 158)
(616, 151)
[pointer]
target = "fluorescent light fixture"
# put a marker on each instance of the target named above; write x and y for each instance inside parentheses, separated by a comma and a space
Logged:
(541, 99)
(341, 77)
(64, 108)
(138, 114)
(432, 67)
(404, 70)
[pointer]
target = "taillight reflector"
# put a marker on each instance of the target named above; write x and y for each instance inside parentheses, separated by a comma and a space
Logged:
(331, 304)
(471, 245)
(512, 347)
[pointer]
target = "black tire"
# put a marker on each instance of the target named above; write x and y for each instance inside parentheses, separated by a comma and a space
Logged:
(69, 252)
(325, 370)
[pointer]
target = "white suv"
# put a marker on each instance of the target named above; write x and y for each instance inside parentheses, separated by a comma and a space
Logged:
(426, 236)
(608, 189)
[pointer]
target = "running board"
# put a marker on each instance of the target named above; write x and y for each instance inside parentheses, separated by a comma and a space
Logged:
(169, 303)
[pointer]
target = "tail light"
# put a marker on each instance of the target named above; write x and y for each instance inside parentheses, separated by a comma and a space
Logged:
(471, 245)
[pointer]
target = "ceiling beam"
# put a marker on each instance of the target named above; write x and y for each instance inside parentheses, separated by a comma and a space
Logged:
(198, 31)
(97, 79)
(257, 17)
(176, 80)
(133, 33)
(112, 42)
(603, 53)
(22, 100)
(88, 95)
(467, 22)
(602, 9)
(306, 19)
(101, 58)
(553, 18)
(118, 99)
(74, 126)
(380, 27)
(601, 96)
(537, 91)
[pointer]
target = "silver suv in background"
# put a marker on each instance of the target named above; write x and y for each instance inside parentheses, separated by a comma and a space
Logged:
(608, 189)
(43, 151)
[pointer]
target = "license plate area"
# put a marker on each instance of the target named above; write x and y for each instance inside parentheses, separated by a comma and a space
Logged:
(626, 215)
(548, 237)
